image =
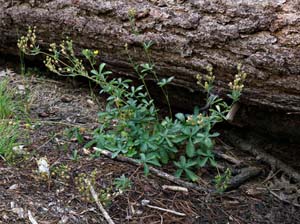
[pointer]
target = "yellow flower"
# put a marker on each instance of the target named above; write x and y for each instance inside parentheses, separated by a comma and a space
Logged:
(96, 52)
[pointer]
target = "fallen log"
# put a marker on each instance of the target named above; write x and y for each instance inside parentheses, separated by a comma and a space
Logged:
(189, 35)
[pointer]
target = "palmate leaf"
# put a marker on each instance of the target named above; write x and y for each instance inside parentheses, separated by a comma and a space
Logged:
(213, 162)
(180, 116)
(190, 148)
(178, 173)
(202, 162)
(191, 175)
(146, 169)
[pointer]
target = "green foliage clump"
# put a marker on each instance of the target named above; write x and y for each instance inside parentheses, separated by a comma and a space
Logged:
(130, 124)
(8, 125)
(122, 183)
(7, 105)
(84, 189)
(222, 181)
(9, 136)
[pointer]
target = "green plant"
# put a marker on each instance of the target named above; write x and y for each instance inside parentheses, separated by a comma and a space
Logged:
(75, 157)
(131, 16)
(9, 127)
(61, 172)
(9, 135)
(76, 133)
(122, 183)
(222, 181)
(84, 190)
(8, 106)
(130, 124)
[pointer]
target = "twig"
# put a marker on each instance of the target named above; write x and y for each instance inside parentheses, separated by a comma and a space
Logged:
(228, 158)
(31, 218)
(276, 163)
(175, 188)
(166, 210)
(100, 206)
(284, 200)
(146, 203)
(154, 171)
(231, 114)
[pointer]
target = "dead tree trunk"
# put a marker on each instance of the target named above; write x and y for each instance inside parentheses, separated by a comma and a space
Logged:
(263, 35)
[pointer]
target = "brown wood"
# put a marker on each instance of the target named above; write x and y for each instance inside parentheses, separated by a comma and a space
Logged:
(263, 35)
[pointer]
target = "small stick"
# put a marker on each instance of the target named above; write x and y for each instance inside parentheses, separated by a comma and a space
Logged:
(231, 114)
(174, 188)
(284, 200)
(31, 218)
(146, 203)
(228, 158)
(154, 171)
(100, 206)
(166, 210)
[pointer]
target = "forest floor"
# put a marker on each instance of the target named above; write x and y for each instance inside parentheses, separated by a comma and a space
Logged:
(57, 107)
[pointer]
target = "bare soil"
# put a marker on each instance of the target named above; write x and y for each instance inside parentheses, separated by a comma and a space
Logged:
(58, 105)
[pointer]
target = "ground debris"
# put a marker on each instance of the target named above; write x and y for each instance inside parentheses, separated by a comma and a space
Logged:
(59, 201)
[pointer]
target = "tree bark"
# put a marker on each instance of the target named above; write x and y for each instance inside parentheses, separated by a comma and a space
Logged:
(263, 35)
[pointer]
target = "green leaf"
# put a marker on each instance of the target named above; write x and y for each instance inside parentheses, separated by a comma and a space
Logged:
(146, 169)
(213, 162)
(202, 162)
(164, 157)
(190, 148)
(179, 139)
(180, 116)
(178, 173)
(191, 175)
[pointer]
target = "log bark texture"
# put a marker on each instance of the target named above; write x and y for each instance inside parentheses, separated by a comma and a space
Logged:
(263, 35)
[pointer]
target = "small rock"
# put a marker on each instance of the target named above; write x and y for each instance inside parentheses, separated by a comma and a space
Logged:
(13, 187)
(66, 99)
(43, 166)
(21, 89)
(90, 102)
(63, 220)
(5, 217)
(2, 74)
(19, 149)
(145, 202)
(19, 212)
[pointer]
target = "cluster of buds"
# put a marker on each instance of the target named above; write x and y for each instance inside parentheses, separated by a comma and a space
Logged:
(195, 120)
(28, 43)
(239, 79)
(132, 13)
(51, 64)
(53, 47)
(61, 171)
(82, 187)
(206, 81)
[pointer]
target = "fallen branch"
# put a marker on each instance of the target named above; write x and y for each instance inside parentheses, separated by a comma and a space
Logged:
(146, 203)
(154, 171)
(100, 206)
(276, 163)
(245, 174)
(175, 188)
